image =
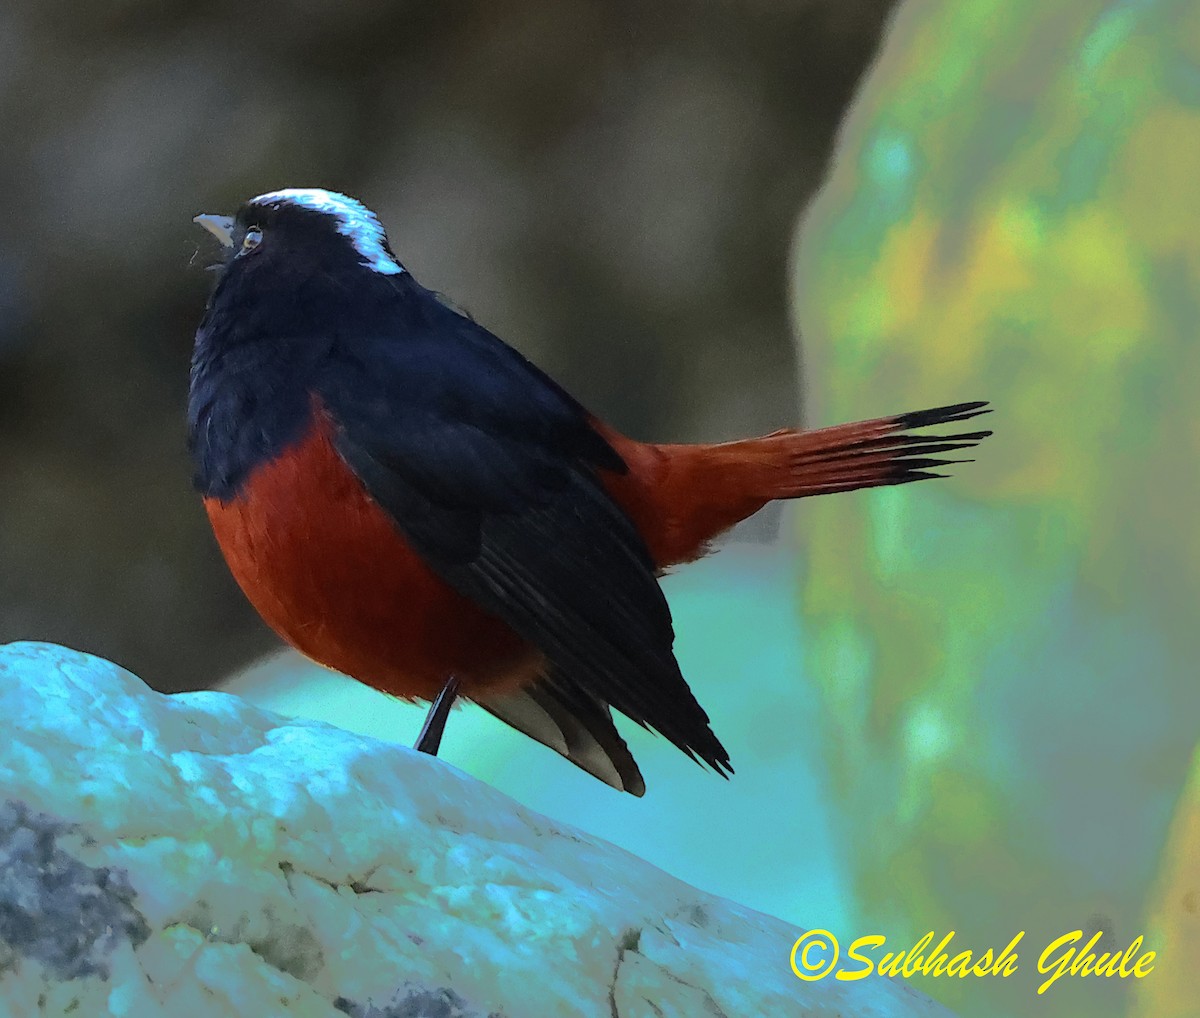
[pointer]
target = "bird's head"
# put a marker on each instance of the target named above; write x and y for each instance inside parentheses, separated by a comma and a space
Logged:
(284, 237)
(305, 271)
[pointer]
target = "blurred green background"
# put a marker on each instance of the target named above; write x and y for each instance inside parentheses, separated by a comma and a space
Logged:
(1007, 665)
(967, 706)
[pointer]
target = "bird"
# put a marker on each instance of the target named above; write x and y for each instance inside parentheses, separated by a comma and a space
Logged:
(408, 500)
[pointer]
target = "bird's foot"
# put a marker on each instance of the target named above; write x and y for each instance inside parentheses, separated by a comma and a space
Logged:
(435, 721)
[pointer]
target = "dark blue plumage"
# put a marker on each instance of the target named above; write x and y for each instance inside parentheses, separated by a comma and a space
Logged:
(485, 465)
(407, 499)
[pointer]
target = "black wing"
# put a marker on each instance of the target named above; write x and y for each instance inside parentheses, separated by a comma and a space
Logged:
(488, 469)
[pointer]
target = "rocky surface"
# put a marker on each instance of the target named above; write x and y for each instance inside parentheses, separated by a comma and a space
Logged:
(195, 855)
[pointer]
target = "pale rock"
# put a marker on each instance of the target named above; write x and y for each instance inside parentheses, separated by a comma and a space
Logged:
(193, 855)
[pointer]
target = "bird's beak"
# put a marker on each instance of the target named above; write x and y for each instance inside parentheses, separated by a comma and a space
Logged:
(220, 227)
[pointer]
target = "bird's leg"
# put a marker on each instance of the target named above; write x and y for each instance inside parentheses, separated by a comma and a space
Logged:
(435, 721)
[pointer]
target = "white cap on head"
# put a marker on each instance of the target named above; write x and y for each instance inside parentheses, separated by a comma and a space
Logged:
(354, 220)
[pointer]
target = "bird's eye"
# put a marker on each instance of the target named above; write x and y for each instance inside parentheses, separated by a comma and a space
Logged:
(252, 239)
